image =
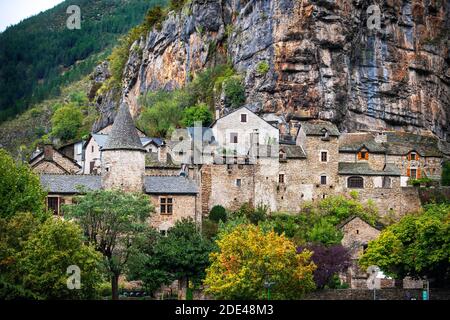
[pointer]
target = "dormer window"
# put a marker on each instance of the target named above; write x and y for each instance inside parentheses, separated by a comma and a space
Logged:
(282, 155)
(413, 156)
(243, 117)
(363, 155)
(326, 134)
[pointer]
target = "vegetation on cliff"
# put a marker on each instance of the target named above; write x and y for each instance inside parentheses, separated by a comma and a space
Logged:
(40, 54)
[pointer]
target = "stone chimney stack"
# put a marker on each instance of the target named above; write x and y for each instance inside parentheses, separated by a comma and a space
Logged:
(48, 151)
(380, 137)
(293, 128)
(162, 153)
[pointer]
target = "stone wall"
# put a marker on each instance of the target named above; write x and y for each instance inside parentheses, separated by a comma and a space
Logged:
(48, 167)
(92, 154)
(123, 169)
(222, 188)
(315, 168)
(393, 202)
(383, 294)
(184, 206)
(356, 234)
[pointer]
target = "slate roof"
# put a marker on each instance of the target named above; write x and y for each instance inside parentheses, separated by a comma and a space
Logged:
(353, 142)
(123, 134)
(61, 183)
(378, 225)
(315, 128)
(169, 185)
(363, 169)
(293, 151)
(401, 143)
(397, 143)
(69, 184)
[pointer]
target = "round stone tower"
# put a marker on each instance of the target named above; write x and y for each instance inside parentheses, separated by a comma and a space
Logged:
(123, 157)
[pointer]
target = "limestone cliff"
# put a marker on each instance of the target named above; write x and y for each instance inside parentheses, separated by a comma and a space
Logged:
(324, 59)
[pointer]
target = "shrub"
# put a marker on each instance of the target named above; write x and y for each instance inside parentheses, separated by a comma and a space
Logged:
(262, 67)
(196, 113)
(234, 92)
(218, 213)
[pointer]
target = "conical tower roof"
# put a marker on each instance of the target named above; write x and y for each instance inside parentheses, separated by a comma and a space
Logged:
(123, 134)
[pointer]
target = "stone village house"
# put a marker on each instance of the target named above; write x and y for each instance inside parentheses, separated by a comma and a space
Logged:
(243, 158)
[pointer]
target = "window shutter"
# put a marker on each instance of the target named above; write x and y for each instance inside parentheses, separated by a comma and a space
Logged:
(418, 173)
(359, 155)
(367, 156)
(409, 158)
(408, 172)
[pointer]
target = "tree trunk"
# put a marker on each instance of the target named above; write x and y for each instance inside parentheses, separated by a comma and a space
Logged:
(182, 288)
(115, 286)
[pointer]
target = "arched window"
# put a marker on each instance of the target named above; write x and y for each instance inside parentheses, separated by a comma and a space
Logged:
(355, 182)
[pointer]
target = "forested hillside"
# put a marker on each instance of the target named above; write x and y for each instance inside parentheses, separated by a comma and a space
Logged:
(40, 54)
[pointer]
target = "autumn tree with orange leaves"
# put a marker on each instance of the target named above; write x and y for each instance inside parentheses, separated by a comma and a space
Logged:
(248, 258)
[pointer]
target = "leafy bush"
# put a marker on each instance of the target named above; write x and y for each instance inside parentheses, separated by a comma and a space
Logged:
(196, 113)
(417, 246)
(210, 228)
(67, 122)
(20, 188)
(329, 261)
(419, 182)
(234, 92)
(218, 213)
(262, 67)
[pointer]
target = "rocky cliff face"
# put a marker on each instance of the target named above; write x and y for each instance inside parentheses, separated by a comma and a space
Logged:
(326, 59)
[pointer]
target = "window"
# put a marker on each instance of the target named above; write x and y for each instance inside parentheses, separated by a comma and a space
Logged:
(243, 117)
(91, 167)
(238, 182)
(363, 155)
(323, 179)
(282, 155)
(281, 178)
(324, 156)
(413, 173)
(163, 232)
(166, 205)
(386, 182)
(413, 156)
(53, 204)
(180, 153)
(355, 182)
(92, 148)
(233, 137)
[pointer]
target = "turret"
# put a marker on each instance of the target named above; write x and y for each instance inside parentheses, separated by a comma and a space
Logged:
(123, 157)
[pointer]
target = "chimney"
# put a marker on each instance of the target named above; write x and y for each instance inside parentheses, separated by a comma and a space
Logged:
(380, 137)
(217, 113)
(293, 128)
(48, 151)
(162, 153)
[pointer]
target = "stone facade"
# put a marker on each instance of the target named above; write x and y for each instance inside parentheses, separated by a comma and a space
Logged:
(123, 169)
(184, 206)
(51, 160)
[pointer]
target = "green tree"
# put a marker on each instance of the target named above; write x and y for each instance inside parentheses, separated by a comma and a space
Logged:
(247, 257)
(417, 246)
(198, 112)
(20, 188)
(48, 253)
(182, 255)
(218, 213)
(14, 233)
(66, 122)
(112, 221)
(234, 92)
